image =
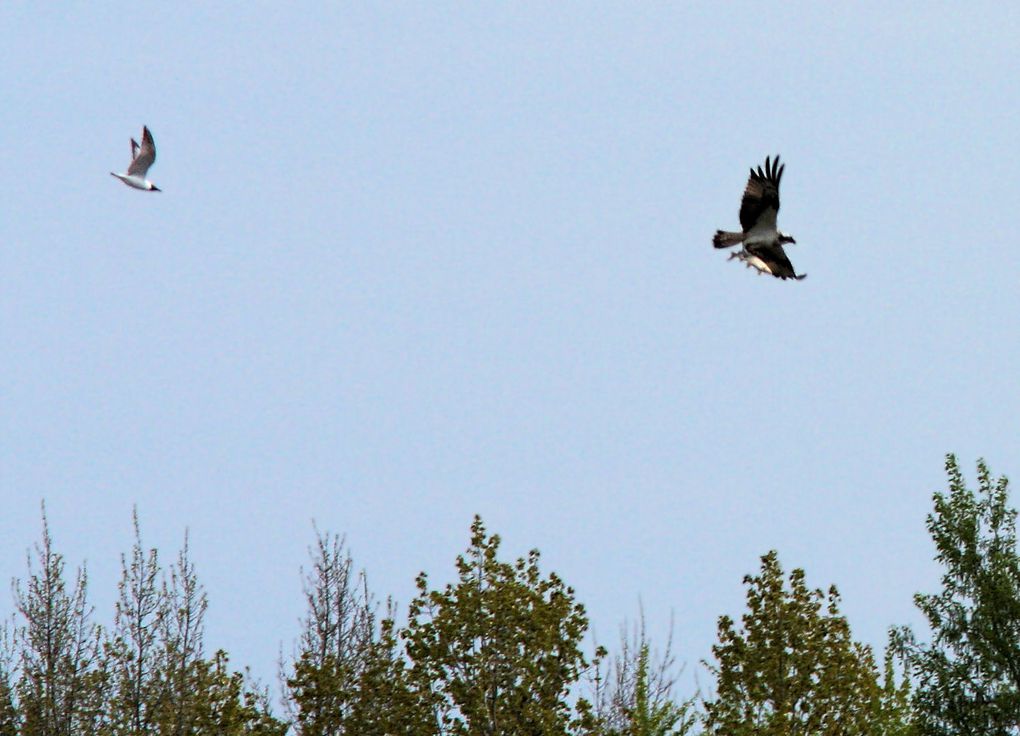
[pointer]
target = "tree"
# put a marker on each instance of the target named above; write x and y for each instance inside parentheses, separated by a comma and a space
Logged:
(225, 704)
(10, 718)
(343, 680)
(496, 653)
(181, 632)
(58, 645)
(968, 675)
(633, 693)
(653, 712)
(134, 653)
(895, 714)
(199, 696)
(793, 667)
(385, 702)
(62, 675)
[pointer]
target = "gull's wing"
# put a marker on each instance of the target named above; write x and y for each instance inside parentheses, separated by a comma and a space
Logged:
(134, 149)
(761, 197)
(776, 259)
(143, 156)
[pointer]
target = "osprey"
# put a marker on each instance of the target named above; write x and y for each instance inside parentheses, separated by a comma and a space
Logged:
(762, 240)
(142, 157)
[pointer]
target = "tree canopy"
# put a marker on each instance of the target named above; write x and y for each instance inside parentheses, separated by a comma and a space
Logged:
(968, 674)
(497, 652)
(501, 651)
(792, 665)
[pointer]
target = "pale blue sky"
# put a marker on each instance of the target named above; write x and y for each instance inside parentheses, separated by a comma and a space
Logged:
(419, 262)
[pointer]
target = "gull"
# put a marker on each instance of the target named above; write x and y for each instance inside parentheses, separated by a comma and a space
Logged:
(142, 157)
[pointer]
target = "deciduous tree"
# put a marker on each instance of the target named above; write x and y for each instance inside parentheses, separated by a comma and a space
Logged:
(343, 679)
(201, 696)
(633, 692)
(136, 652)
(10, 718)
(792, 666)
(496, 653)
(968, 674)
(59, 647)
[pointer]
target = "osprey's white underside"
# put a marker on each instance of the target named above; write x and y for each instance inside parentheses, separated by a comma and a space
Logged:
(764, 231)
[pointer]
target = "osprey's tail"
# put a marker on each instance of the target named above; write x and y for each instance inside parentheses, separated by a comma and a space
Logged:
(724, 239)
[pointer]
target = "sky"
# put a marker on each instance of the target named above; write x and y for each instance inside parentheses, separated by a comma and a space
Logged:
(417, 261)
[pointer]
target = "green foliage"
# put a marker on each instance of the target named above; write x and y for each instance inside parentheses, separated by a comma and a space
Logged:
(10, 721)
(193, 695)
(10, 718)
(148, 676)
(330, 700)
(651, 717)
(632, 693)
(318, 692)
(346, 678)
(894, 714)
(336, 641)
(223, 704)
(969, 674)
(497, 653)
(793, 666)
(386, 702)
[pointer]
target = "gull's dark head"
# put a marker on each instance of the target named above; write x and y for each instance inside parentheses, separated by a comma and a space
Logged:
(154, 188)
(786, 238)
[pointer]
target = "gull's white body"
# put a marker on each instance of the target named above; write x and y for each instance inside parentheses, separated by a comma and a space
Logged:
(142, 157)
(138, 182)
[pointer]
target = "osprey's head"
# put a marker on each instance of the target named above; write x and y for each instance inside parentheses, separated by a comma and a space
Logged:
(786, 238)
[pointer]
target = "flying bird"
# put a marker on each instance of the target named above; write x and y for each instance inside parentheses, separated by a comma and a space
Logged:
(142, 157)
(762, 240)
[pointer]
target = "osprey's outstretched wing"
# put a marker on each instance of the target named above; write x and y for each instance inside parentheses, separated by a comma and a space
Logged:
(144, 156)
(761, 197)
(775, 260)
